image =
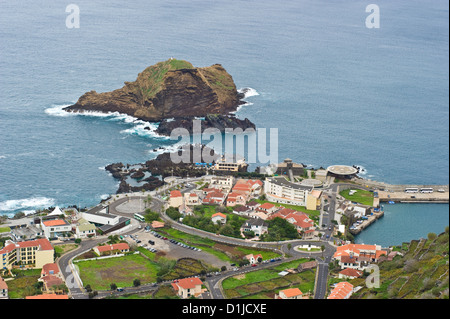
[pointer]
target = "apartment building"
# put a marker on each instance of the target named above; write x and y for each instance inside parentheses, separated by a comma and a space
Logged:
(34, 253)
(279, 190)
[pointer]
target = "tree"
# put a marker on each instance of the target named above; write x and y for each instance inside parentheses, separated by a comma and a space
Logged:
(173, 213)
(322, 248)
(136, 282)
(113, 286)
(150, 215)
(432, 236)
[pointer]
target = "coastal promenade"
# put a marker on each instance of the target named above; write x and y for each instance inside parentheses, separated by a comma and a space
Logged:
(396, 193)
(435, 197)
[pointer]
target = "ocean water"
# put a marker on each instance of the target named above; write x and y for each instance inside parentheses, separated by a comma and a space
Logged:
(420, 220)
(338, 92)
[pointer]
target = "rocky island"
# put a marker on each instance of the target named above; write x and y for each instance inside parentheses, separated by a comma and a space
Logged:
(173, 89)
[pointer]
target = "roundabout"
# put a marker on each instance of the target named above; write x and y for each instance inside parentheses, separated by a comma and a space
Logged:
(308, 248)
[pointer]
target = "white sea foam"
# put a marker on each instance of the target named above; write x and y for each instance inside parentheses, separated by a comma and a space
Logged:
(144, 129)
(166, 149)
(362, 170)
(141, 128)
(20, 204)
(248, 92)
(58, 111)
(2, 156)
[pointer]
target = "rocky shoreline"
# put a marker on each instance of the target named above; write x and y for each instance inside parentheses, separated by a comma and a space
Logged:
(159, 168)
(216, 121)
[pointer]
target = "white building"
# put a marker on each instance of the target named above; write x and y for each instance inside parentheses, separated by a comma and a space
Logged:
(55, 228)
(279, 190)
(219, 218)
(222, 182)
(84, 229)
(99, 216)
(256, 225)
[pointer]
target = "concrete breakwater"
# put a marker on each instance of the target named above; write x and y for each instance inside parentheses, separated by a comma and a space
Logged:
(366, 223)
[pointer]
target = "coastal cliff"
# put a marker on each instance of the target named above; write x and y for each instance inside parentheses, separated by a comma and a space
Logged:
(169, 89)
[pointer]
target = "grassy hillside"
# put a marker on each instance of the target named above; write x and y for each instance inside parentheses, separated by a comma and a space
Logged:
(421, 273)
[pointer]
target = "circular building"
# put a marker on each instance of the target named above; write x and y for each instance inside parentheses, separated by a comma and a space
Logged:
(342, 171)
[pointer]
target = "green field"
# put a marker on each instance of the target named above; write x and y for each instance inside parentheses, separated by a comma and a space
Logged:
(264, 283)
(119, 270)
(361, 196)
(223, 252)
(24, 283)
(5, 229)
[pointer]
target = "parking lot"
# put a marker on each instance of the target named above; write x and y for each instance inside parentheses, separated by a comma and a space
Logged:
(173, 249)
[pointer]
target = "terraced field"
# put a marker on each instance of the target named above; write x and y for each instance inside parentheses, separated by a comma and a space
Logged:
(423, 272)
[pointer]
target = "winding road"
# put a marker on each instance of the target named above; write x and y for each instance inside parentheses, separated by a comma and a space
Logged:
(284, 248)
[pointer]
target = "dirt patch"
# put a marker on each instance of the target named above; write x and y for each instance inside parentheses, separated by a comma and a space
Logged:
(239, 277)
(229, 250)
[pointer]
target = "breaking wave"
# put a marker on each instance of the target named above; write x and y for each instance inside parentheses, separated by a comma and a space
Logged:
(140, 128)
(27, 203)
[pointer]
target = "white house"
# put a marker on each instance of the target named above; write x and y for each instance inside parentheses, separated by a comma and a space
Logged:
(256, 225)
(55, 228)
(219, 218)
(188, 287)
(85, 229)
(290, 293)
(253, 259)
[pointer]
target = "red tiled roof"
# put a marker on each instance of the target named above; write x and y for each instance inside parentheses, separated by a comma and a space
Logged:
(51, 280)
(55, 222)
(341, 290)
(266, 206)
(175, 194)
(119, 246)
(43, 243)
(3, 284)
(189, 283)
(292, 292)
(359, 249)
(350, 272)
(219, 214)
(52, 267)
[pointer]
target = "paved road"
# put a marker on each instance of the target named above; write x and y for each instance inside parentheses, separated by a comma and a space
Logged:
(71, 278)
(157, 204)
